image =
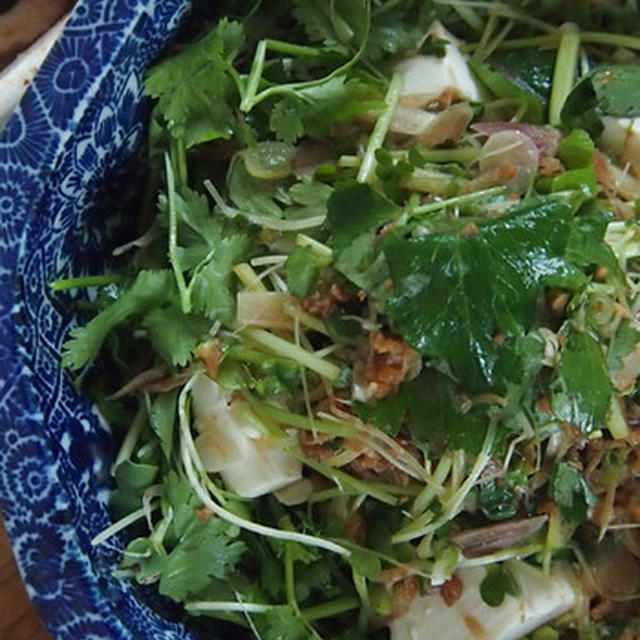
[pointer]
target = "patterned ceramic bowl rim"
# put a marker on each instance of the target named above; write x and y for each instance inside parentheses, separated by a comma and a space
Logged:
(79, 122)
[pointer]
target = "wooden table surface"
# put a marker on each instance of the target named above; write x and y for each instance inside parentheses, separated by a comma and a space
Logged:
(18, 617)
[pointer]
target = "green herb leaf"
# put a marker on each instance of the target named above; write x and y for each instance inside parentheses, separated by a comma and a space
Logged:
(175, 335)
(302, 269)
(497, 585)
(355, 213)
(453, 293)
(204, 553)
(581, 388)
(195, 86)
(314, 109)
(609, 89)
(497, 501)
(283, 623)
(623, 358)
(150, 288)
(365, 564)
(570, 491)
(163, 419)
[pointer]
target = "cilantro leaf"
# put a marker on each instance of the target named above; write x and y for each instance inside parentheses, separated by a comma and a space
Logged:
(453, 293)
(314, 109)
(302, 269)
(163, 419)
(249, 193)
(149, 289)
(204, 553)
(570, 491)
(213, 285)
(581, 388)
(194, 87)
(175, 335)
(342, 25)
(282, 623)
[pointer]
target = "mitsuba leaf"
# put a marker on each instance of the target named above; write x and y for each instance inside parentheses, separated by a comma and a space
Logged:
(570, 491)
(430, 407)
(581, 388)
(453, 294)
(355, 214)
(586, 246)
(525, 75)
(623, 358)
(195, 87)
(607, 90)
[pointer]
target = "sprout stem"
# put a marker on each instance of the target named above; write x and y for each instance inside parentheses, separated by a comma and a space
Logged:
(564, 73)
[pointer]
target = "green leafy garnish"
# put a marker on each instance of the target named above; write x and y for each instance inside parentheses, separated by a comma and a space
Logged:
(149, 289)
(497, 585)
(454, 293)
(194, 87)
(607, 90)
(570, 491)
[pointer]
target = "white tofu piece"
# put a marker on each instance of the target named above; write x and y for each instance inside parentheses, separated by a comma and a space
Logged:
(621, 137)
(250, 464)
(427, 77)
(542, 598)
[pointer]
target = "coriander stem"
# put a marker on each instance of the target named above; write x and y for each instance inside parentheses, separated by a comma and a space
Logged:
(205, 606)
(463, 155)
(470, 17)
(329, 609)
(338, 429)
(611, 39)
(452, 202)
(293, 49)
(130, 440)
(344, 479)
(173, 237)
(287, 349)
(255, 75)
(379, 133)
(422, 502)
(311, 322)
(248, 277)
(337, 492)
(289, 577)
(319, 249)
(83, 281)
(564, 73)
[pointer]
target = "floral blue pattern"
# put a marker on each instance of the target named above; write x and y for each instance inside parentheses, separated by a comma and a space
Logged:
(78, 124)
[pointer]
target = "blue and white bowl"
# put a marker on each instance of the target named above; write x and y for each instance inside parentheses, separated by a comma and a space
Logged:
(78, 125)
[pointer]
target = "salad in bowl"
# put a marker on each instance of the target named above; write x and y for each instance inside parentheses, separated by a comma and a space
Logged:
(372, 342)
